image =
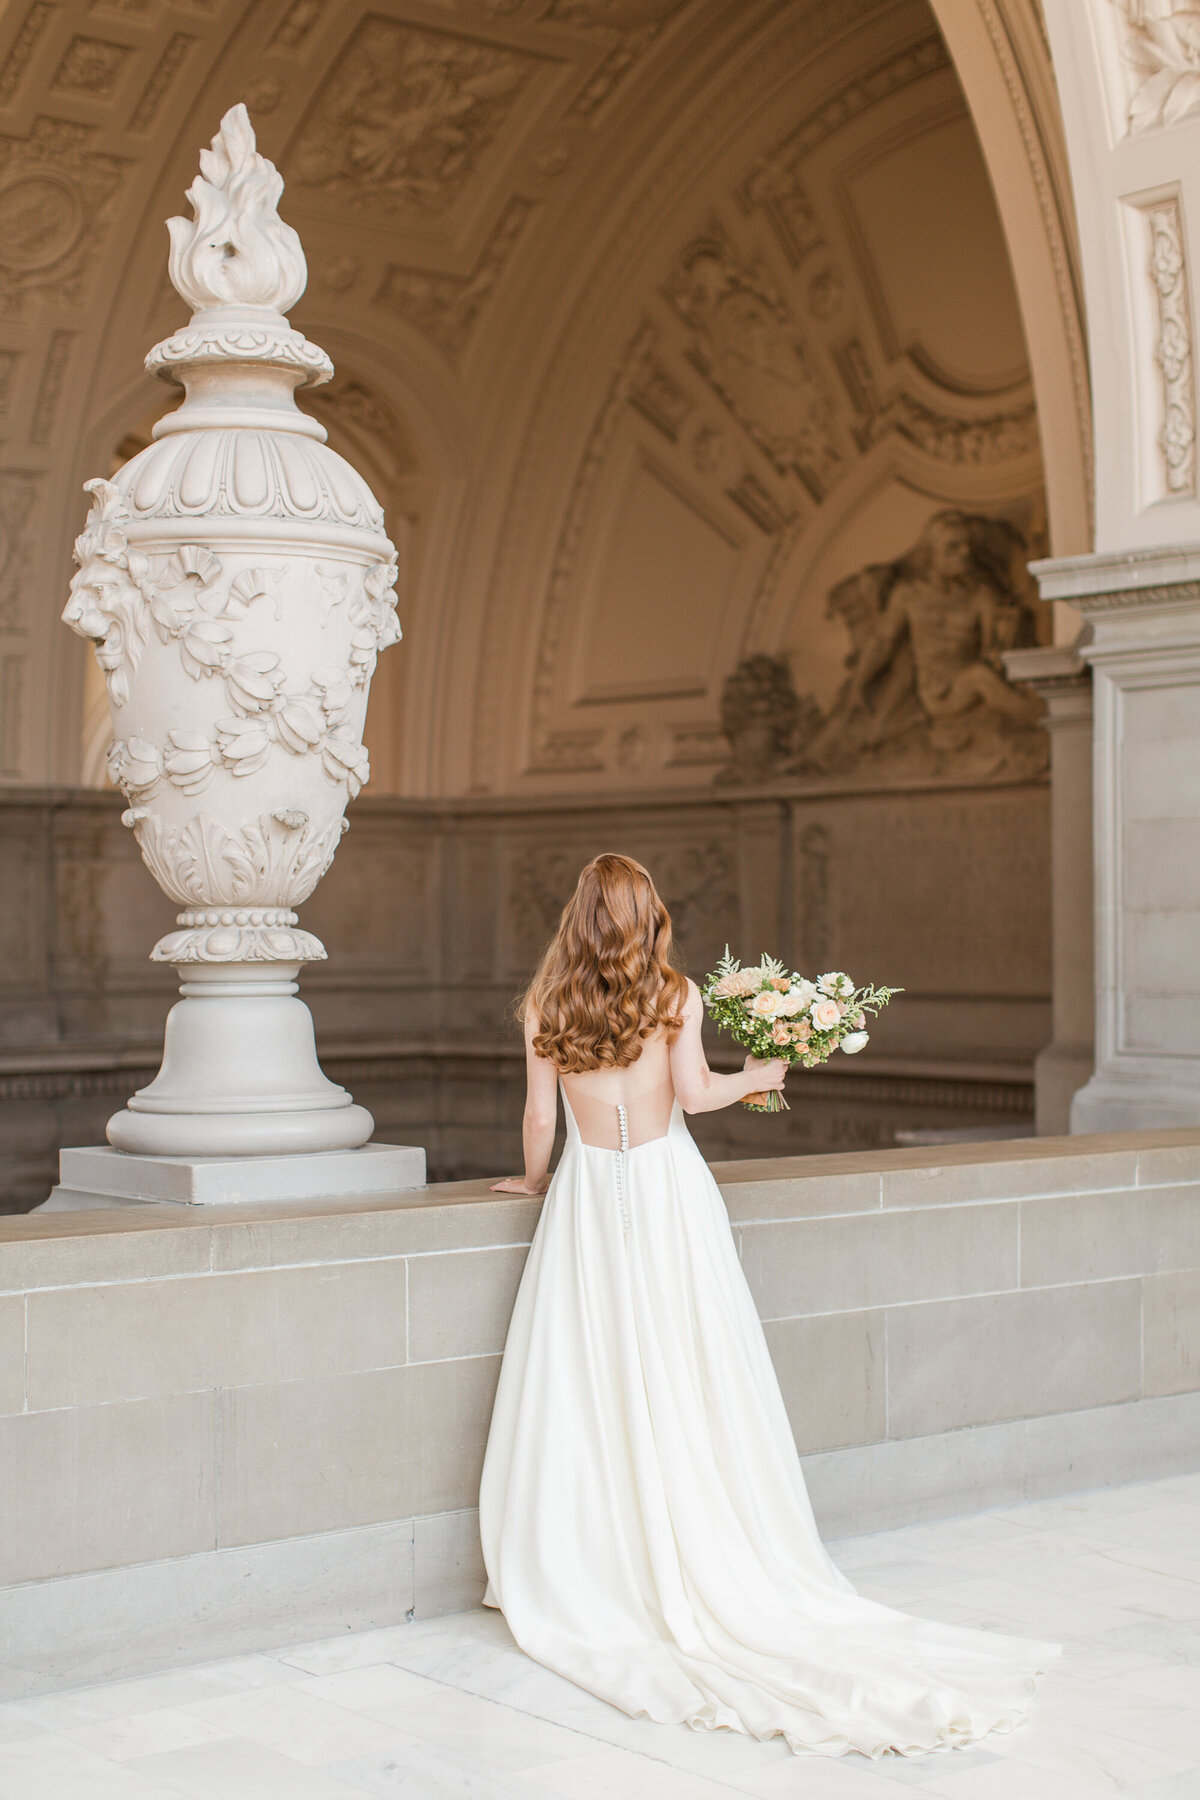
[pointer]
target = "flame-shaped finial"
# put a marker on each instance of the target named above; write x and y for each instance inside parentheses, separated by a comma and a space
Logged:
(237, 251)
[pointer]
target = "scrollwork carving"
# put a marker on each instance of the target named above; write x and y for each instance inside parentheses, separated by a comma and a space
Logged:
(1173, 352)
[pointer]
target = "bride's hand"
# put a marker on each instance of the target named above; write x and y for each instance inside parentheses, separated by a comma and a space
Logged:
(769, 1076)
(516, 1184)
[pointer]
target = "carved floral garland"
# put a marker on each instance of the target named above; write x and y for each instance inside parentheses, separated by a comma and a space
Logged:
(115, 601)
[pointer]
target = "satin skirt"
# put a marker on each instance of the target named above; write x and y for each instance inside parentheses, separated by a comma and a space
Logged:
(645, 1524)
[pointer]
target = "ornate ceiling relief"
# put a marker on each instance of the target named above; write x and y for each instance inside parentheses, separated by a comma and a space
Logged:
(56, 200)
(161, 80)
(23, 47)
(18, 496)
(447, 307)
(45, 406)
(90, 66)
(746, 344)
(405, 117)
(763, 377)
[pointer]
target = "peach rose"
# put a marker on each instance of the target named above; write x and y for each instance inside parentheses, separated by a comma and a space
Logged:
(781, 1034)
(764, 1005)
(825, 1015)
(736, 984)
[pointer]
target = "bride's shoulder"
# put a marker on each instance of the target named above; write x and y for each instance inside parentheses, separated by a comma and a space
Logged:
(693, 1003)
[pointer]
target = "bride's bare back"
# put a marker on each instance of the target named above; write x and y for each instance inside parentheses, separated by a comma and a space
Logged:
(646, 1090)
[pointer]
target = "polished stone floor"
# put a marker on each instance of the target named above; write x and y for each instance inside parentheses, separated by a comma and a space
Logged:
(449, 1710)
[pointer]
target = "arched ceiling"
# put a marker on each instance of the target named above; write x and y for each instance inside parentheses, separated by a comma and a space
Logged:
(648, 316)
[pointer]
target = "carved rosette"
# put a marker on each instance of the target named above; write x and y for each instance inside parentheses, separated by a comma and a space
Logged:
(237, 583)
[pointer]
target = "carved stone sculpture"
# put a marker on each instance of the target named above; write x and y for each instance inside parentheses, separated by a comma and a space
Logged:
(925, 692)
(759, 713)
(1161, 44)
(237, 583)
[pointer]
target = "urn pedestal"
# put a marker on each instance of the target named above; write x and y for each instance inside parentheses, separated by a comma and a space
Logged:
(237, 582)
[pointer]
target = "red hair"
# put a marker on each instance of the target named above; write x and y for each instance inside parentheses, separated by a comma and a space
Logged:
(606, 981)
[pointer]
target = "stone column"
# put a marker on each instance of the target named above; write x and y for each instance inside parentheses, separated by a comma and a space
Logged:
(1062, 680)
(1143, 611)
(1131, 107)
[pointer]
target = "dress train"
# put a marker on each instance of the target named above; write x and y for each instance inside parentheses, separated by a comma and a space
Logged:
(645, 1523)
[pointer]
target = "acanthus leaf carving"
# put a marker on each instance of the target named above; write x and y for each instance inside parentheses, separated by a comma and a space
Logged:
(274, 861)
(1160, 41)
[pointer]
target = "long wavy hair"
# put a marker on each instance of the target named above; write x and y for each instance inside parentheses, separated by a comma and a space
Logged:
(606, 981)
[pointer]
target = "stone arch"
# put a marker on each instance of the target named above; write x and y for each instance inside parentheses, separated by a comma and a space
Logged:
(1003, 60)
(485, 291)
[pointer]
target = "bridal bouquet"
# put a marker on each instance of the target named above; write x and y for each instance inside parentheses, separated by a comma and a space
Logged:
(773, 1012)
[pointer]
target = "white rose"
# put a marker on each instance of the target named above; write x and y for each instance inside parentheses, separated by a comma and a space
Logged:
(766, 1005)
(806, 991)
(854, 1043)
(792, 1003)
(825, 1015)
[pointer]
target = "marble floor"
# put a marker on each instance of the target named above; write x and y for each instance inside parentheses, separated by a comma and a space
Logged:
(450, 1710)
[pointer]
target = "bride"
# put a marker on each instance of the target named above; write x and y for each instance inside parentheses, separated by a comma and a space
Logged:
(645, 1524)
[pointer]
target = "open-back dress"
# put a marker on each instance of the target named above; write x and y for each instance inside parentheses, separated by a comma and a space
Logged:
(645, 1523)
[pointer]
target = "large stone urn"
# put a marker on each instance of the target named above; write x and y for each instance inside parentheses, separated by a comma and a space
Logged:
(237, 582)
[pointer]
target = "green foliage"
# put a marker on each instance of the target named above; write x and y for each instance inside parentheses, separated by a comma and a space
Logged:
(772, 1011)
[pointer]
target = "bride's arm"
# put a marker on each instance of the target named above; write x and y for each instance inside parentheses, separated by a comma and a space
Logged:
(537, 1127)
(697, 1088)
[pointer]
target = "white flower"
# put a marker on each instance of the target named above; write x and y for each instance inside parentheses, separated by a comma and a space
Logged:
(835, 983)
(854, 1042)
(766, 1005)
(825, 1015)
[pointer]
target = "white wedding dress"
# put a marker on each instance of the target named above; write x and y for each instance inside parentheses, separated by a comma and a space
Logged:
(645, 1523)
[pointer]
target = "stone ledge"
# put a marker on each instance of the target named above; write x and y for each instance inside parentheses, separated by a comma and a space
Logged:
(151, 1240)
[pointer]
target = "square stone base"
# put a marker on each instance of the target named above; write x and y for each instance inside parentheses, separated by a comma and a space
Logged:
(97, 1176)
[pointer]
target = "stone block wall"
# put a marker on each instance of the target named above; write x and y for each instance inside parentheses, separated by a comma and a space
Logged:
(434, 916)
(228, 1427)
